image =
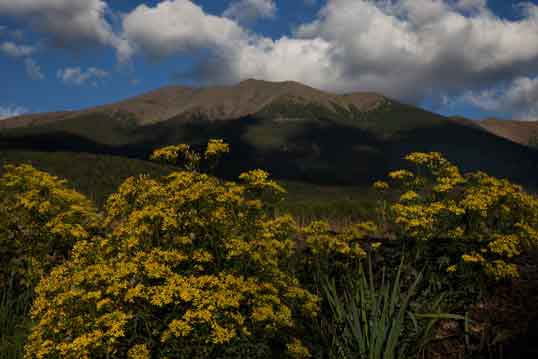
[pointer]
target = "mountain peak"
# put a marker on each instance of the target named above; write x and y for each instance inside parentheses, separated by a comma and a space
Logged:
(257, 82)
(246, 98)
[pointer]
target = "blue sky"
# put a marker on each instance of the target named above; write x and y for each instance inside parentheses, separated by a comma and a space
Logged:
(474, 58)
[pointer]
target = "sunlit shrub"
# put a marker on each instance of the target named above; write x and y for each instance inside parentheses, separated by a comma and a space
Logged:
(40, 220)
(487, 222)
(189, 266)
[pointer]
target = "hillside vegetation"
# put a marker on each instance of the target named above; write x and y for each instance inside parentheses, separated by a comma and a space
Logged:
(187, 265)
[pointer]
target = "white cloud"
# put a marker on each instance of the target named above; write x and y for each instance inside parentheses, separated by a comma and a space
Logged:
(407, 49)
(33, 70)
(77, 76)
(14, 50)
(306, 61)
(11, 111)
(519, 97)
(414, 48)
(178, 26)
(250, 10)
(70, 23)
(181, 27)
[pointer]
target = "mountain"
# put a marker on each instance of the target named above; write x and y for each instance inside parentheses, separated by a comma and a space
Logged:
(522, 132)
(216, 103)
(294, 131)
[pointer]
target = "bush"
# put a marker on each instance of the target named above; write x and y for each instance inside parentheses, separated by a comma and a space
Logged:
(40, 220)
(188, 266)
(471, 225)
(335, 254)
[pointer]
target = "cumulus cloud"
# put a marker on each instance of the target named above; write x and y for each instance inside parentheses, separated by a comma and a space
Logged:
(15, 50)
(11, 111)
(519, 97)
(70, 23)
(33, 70)
(407, 49)
(249, 10)
(178, 26)
(229, 51)
(77, 76)
(413, 48)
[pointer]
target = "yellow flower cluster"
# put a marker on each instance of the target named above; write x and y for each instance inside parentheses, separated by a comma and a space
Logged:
(216, 148)
(380, 186)
(173, 154)
(40, 220)
(187, 266)
(401, 175)
(472, 258)
(489, 220)
(139, 351)
(259, 182)
(192, 160)
(341, 251)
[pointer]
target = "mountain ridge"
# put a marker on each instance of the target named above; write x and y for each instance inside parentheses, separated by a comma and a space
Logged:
(218, 102)
(294, 131)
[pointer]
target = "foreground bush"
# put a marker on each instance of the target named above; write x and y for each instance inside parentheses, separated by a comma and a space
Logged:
(472, 224)
(191, 266)
(188, 266)
(40, 221)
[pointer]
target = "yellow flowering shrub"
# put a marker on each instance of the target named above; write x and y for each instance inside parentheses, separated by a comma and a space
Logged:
(488, 222)
(178, 153)
(188, 266)
(335, 253)
(191, 159)
(40, 220)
